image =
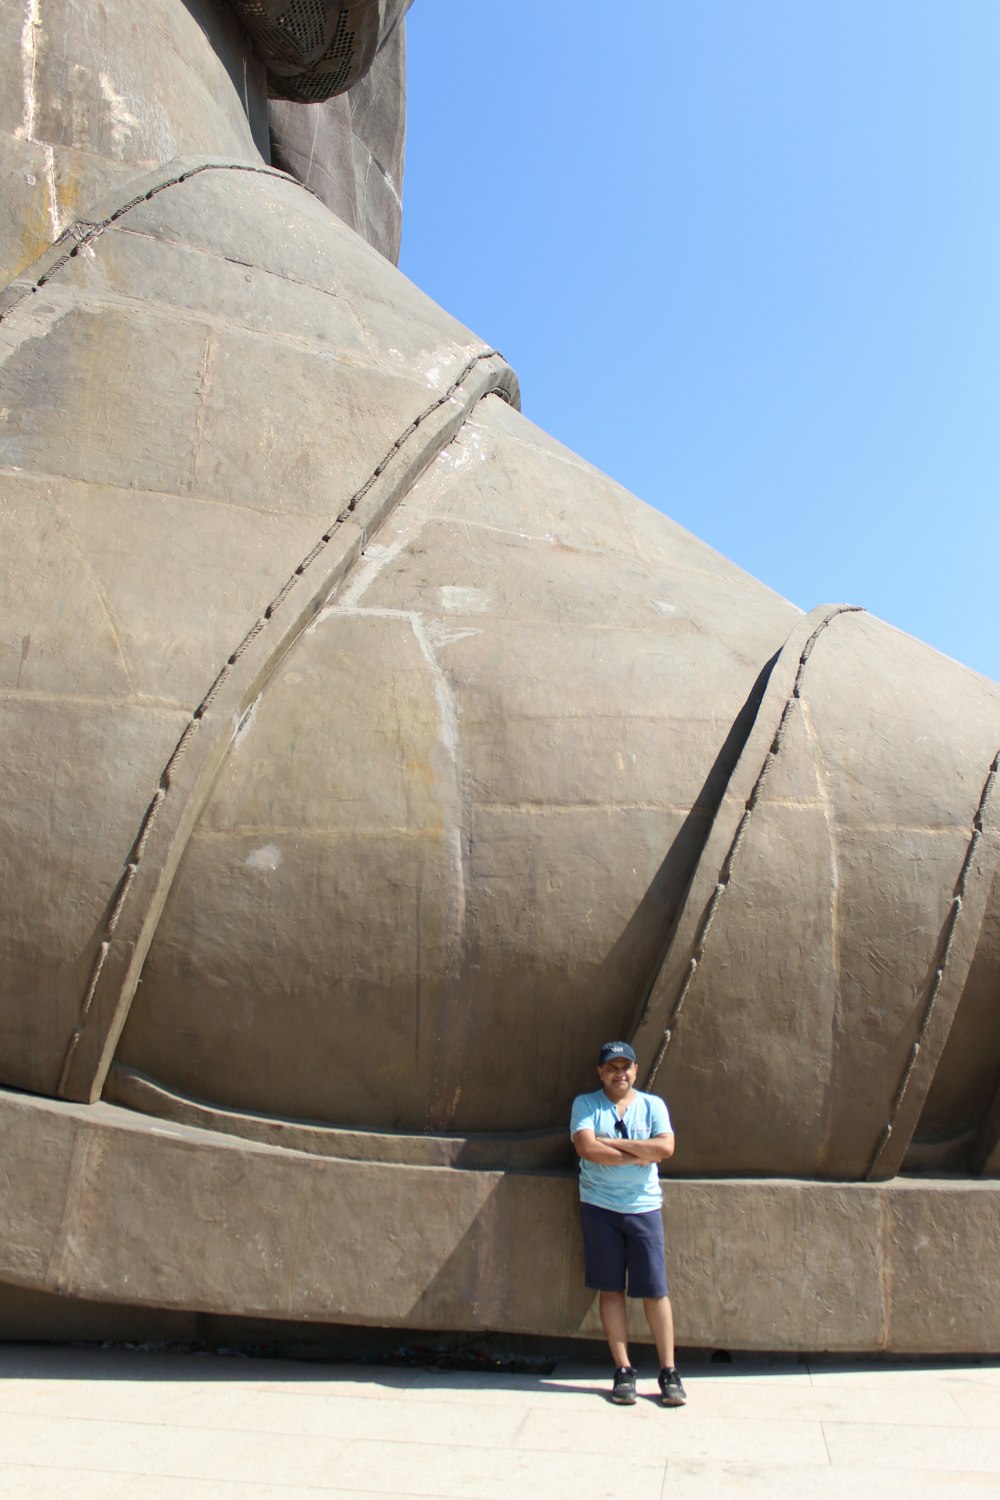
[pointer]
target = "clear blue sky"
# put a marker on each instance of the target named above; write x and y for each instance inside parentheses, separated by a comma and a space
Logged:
(745, 257)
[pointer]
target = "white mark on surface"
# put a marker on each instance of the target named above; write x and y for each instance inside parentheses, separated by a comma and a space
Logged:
(50, 178)
(439, 362)
(443, 692)
(376, 557)
(245, 724)
(440, 634)
(525, 536)
(332, 611)
(267, 857)
(386, 178)
(31, 20)
(468, 601)
(447, 704)
(123, 122)
(459, 455)
(664, 607)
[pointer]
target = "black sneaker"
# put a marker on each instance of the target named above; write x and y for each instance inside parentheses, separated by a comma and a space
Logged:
(672, 1393)
(623, 1390)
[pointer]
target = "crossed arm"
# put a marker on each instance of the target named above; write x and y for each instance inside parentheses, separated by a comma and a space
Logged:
(610, 1151)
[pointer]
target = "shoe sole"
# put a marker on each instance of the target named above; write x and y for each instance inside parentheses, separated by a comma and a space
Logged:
(673, 1400)
(624, 1400)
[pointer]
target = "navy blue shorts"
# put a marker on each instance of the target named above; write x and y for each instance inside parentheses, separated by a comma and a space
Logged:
(623, 1252)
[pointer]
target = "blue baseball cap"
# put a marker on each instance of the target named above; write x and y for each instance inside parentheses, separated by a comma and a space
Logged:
(615, 1049)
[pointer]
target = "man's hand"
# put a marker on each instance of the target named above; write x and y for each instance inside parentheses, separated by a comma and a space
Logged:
(657, 1148)
(611, 1151)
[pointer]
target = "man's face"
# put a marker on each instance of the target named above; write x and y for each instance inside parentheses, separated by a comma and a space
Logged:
(617, 1075)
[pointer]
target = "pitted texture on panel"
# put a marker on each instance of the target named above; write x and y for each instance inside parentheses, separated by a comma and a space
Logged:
(314, 49)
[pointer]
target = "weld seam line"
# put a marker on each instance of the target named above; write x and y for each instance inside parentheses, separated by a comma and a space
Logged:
(84, 231)
(166, 779)
(946, 944)
(726, 869)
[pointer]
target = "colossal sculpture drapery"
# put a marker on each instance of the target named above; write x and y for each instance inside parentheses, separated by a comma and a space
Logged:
(347, 714)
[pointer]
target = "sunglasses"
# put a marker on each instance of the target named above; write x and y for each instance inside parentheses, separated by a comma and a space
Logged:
(621, 1130)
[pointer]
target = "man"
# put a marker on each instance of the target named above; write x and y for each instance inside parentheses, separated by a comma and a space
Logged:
(621, 1136)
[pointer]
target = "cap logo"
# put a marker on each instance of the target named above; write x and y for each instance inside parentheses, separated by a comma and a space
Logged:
(616, 1049)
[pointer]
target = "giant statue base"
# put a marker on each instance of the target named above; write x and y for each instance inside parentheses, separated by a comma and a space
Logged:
(368, 759)
(108, 1207)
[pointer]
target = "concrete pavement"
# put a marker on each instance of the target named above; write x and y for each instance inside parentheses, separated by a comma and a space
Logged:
(122, 1424)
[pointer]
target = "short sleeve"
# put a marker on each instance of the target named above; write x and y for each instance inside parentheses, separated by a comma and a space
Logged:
(659, 1117)
(582, 1114)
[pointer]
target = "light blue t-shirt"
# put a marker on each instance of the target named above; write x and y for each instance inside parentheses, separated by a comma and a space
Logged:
(628, 1190)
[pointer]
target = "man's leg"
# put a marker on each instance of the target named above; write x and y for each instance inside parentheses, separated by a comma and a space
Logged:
(604, 1266)
(614, 1321)
(647, 1277)
(660, 1318)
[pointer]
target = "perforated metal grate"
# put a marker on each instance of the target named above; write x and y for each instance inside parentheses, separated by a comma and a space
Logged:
(305, 22)
(313, 49)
